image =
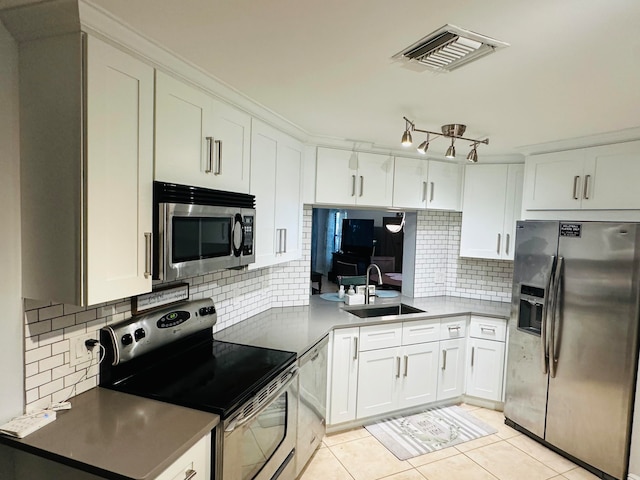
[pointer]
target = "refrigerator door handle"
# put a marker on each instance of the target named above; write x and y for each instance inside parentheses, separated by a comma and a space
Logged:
(546, 309)
(556, 318)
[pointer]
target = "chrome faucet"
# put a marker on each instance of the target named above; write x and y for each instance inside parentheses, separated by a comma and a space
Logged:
(366, 294)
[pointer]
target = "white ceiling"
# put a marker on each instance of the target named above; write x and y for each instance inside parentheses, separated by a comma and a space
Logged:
(572, 70)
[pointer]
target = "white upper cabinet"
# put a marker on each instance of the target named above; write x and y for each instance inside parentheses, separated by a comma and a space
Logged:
(119, 173)
(199, 141)
(349, 178)
(86, 188)
(421, 183)
(596, 178)
(490, 209)
(276, 182)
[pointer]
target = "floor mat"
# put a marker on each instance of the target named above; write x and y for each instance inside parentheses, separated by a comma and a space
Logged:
(428, 431)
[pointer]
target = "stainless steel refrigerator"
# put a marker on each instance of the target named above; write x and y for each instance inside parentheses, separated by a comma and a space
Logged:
(573, 339)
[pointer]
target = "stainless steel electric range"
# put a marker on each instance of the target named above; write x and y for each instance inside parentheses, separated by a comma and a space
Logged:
(170, 355)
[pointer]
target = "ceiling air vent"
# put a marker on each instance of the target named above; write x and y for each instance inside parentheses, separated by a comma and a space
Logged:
(448, 48)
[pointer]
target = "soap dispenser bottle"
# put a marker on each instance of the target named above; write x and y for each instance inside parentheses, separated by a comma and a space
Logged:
(341, 291)
(351, 291)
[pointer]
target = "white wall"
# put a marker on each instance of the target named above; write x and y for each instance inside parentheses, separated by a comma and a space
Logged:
(11, 330)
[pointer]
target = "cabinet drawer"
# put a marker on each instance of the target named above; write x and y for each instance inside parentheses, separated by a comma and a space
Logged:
(453, 327)
(380, 336)
(196, 459)
(421, 331)
(488, 328)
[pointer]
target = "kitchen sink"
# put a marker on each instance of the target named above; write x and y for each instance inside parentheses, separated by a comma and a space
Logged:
(398, 309)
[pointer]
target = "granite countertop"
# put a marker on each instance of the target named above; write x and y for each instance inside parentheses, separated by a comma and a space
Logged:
(297, 329)
(117, 435)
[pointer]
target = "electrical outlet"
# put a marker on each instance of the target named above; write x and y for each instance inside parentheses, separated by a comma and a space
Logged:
(441, 277)
(79, 353)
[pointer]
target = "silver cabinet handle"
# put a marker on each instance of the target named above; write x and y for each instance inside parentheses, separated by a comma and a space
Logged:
(147, 254)
(444, 360)
(507, 245)
(361, 185)
(209, 167)
(424, 191)
(189, 474)
(353, 185)
(433, 187)
(284, 250)
(585, 194)
(473, 351)
(355, 348)
(453, 327)
(218, 158)
(488, 329)
(406, 365)
(397, 367)
(498, 246)
(576, 179)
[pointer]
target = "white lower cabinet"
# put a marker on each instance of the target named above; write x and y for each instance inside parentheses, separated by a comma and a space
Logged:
(378, 369)
(194, 463)
(343, 375)
(486, 353)
(451, 371)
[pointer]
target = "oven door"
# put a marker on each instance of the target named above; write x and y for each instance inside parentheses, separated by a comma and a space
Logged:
(261, 446)
(197, 239)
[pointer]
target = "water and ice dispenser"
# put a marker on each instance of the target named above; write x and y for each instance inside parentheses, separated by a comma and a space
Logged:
(532, 303)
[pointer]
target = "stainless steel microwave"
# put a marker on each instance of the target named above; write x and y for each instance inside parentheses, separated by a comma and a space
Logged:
(199, 230)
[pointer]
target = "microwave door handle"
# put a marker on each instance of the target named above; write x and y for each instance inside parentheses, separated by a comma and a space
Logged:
(556, 319)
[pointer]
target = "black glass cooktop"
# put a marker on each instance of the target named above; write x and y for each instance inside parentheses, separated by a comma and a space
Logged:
(210, 375)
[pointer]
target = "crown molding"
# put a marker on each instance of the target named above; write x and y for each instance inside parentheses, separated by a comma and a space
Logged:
(619, 136)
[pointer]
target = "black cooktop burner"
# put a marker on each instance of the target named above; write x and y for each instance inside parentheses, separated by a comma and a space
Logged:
(209, 375)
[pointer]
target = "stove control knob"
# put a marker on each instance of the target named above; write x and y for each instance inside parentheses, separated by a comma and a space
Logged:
(203, 311)
(127, 339)
(139, 334)
(211, 310)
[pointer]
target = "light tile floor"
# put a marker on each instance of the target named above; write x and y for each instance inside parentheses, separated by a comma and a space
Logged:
(506, 455)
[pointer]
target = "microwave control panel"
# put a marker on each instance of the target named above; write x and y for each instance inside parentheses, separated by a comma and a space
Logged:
(247, 248)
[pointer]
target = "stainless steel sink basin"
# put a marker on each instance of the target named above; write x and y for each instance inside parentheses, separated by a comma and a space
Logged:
(398, 309)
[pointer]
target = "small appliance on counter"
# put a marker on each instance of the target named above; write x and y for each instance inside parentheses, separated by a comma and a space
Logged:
(170, 355)
(198, 230)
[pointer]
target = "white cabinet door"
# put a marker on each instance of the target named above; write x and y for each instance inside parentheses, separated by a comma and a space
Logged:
(276, 173)
(348, 178)
(611, 177)
(410, 182)
(451, 368)
(378, 377)
(231, 131)
(445, 186)
(490, 209)
(195, 462)
(288, 200)
(343, 375)
(118, 174)
(200, 141)
(336, 176)
(485, 368)
(375, 180)
(183, 123)
(419, 381)
(554, 181)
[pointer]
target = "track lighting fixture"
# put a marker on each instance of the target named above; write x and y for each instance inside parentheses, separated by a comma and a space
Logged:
(454, 131)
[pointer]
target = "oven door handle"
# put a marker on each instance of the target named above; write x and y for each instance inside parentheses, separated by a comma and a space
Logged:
(238, 422)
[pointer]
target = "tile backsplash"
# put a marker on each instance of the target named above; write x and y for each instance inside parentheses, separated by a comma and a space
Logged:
(240, 294)
(440, 271)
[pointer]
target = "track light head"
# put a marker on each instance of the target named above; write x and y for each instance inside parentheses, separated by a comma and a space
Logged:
(406, 139)
(424, 146)
(473, 155)
(451, 151)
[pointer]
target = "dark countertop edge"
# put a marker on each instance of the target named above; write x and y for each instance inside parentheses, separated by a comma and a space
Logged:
(24, 445)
